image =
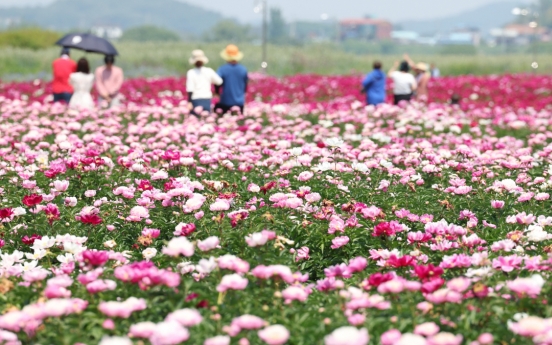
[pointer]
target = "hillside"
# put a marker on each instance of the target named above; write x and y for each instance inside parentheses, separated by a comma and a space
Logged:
(485, 18)
(83, 14)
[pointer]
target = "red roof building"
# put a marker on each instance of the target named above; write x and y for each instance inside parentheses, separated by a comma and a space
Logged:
(365, 29)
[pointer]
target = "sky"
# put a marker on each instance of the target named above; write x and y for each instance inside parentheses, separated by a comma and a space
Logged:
(394, 10)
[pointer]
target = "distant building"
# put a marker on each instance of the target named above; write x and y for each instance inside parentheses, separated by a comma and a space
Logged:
(519, 34)
(109, 32)
(405, 37)
(365, 29)
(469, 36)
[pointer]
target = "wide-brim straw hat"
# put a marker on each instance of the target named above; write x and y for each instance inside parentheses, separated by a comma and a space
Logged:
(231, 53)
(198, 55)
(422, 66)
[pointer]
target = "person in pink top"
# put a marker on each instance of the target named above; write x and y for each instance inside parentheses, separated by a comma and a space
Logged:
(109, 79)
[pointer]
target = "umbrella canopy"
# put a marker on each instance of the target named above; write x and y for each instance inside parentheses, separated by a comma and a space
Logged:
(88, 43)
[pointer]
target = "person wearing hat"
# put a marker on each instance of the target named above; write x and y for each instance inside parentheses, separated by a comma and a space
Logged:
(422, 75)
(199, 81)
(109, 80)
(235, 80)
(404, 84)
(62, 69)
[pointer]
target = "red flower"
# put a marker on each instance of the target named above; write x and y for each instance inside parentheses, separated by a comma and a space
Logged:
(95, 258)
(52, 213)
(145, 185)
(6, 214)
(227, 196)
(171, 155)
(185, 229)
(32, 200)
(428, 272)
(91, 219)
(202, 304)
(320, 145)
(30, 240)
(268, 186)
(386, 229)
(2, 243)
(191, 297)
(377, 279)
(403, 261)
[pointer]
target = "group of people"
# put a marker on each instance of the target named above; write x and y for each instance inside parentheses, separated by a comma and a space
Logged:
(230, 82)
(73, 81)
(406, 85)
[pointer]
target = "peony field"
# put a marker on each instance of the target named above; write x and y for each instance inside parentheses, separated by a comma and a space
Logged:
(312, 219)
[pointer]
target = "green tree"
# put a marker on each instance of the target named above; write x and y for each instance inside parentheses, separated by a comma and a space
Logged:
(149, 33)
(31, 38)
(277, 29)
(229, 31)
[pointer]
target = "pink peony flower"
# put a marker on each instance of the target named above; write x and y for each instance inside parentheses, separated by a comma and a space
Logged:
(208, 244)
(142, 330)
(274, 335)
(347, 336)
(232, 282)
(185, 317)
(218, 340)
(390, 337)
(169, 333)
(339, 242)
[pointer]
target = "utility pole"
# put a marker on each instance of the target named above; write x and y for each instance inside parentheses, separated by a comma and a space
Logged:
(526, 12)
(264, 64)
(261, 5)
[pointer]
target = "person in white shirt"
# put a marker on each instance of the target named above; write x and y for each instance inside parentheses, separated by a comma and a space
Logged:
(198, 83)
(82, 82)
(404, 83)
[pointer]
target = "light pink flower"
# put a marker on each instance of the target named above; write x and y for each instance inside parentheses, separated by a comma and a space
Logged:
(142, 329)
(274, 335)
(445, 338)
(232, 282)
(339, 242)
(186, 317)
(208, 244)
(169, 333)
(426, 329)
(218, 340)
(347, 336)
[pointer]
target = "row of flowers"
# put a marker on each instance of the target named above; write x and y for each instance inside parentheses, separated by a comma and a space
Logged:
(292, 224)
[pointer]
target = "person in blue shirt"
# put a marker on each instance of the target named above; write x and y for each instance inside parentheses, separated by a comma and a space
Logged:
(374, 85)
(234, 76)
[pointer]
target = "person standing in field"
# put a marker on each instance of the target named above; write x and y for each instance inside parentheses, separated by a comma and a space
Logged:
(62, 68)
(198, 83)
(235, 78)
(404, 84)
(435, 72)
(422, 75)
(109, 80)
(374, 85)
(82, 82)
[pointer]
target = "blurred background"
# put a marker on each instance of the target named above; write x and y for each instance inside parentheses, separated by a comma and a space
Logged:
(155, 38)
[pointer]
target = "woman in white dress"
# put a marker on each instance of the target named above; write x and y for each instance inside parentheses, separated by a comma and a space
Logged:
(82, 82)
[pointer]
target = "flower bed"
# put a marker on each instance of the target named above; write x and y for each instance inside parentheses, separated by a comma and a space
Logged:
(295, 224)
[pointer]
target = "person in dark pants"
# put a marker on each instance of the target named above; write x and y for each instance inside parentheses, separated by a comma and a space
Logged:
(234, 76)
(62, 69)
(404, 83)
(374, 85)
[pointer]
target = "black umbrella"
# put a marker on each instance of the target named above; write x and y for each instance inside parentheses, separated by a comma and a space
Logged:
(88, 43)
